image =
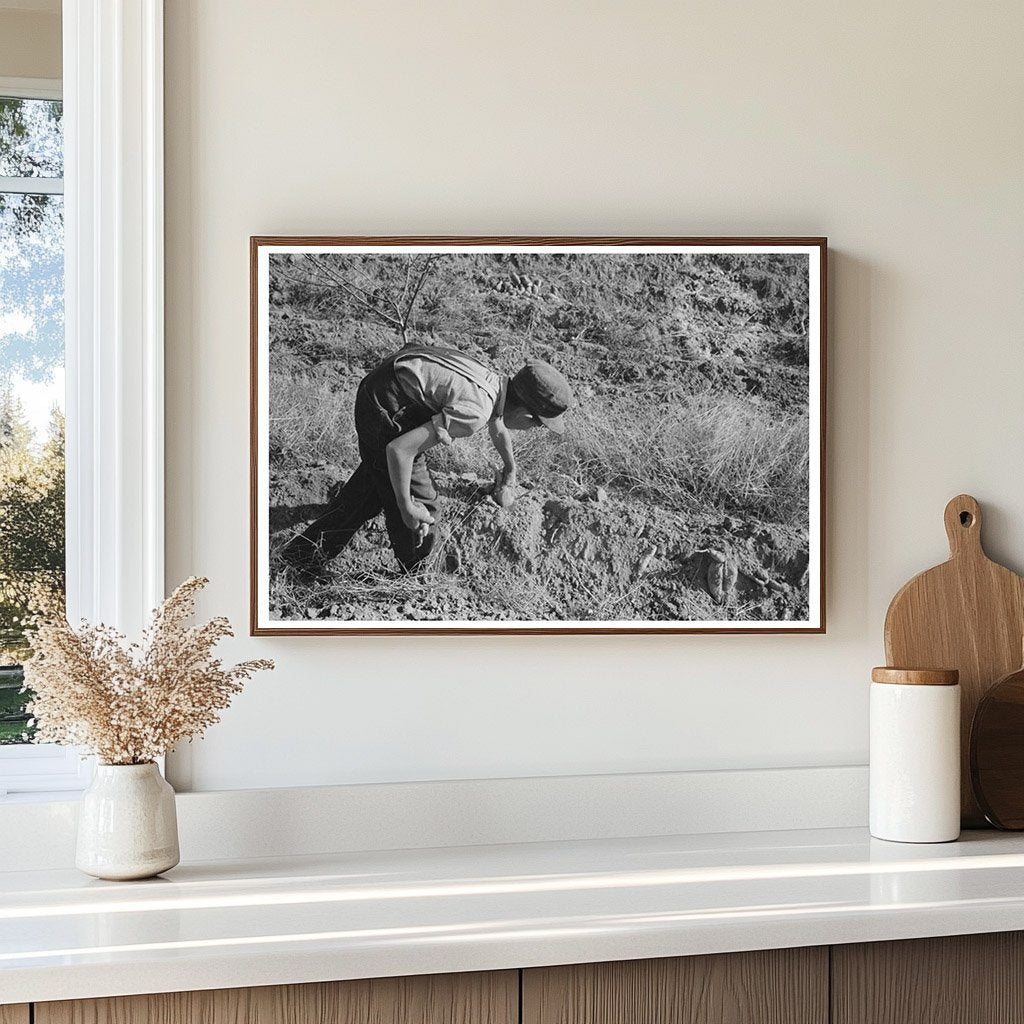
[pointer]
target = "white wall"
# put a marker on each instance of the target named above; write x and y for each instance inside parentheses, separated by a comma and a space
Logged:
(895, 129)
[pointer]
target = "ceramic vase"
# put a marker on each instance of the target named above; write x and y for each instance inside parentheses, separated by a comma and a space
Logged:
(127, 825)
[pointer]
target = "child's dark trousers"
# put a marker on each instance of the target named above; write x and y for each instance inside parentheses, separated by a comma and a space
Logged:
(383, 412)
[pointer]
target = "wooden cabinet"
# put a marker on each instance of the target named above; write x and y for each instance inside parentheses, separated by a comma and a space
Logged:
(777, 986)
(962, 979)
(967, 979)
(491, 998)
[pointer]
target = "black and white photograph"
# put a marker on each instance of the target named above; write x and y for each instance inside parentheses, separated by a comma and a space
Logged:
(537, 435)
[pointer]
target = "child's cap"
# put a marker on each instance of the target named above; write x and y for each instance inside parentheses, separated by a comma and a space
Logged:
(544, 392)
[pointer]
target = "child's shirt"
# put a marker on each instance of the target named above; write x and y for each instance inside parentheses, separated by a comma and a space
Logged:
(462, 392)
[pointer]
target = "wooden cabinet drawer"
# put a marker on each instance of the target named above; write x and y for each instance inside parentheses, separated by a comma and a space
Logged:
(779, 986)
(966, 979)
(962, 979)
(484, 998)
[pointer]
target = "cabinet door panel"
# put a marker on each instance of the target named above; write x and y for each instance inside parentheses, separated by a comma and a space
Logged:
(778, 986)
(960, 979)
(483, 998)
(14, 1014)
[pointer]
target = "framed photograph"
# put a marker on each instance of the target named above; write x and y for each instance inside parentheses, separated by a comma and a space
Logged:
(537, 435)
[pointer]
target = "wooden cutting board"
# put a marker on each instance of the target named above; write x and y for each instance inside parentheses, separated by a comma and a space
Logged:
(967, 614)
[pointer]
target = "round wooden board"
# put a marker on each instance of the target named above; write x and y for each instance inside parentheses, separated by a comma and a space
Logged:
(997, 752)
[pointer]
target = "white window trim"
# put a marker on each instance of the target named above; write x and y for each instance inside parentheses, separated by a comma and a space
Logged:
(32, 186)
(113, 169)
(42, 768)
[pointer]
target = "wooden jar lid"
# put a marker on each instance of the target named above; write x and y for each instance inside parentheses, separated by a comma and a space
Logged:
(916, 676)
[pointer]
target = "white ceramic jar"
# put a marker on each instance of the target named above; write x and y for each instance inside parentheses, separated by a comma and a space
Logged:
(127, 823)
(915, 755)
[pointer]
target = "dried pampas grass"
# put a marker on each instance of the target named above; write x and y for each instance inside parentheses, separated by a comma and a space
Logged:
(130, 703)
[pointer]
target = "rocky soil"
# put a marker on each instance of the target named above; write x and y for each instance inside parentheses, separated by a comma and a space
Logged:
(587, 555)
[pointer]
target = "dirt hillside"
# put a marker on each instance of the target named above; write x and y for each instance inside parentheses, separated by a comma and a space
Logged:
(679, 493)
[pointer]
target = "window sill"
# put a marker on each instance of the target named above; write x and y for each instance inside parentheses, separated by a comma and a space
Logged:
(42, 797)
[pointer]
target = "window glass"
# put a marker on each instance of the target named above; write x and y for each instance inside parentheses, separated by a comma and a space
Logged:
(31, 387)
(31, 138)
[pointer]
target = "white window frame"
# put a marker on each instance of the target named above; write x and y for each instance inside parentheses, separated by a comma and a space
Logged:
(114, 265)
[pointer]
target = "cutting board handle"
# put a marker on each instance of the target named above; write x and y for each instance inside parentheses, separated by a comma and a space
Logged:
(963, 526)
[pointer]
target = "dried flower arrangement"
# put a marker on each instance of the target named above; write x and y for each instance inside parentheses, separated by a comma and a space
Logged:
(130, 703)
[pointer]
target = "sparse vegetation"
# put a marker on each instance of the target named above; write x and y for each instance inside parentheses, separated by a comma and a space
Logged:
(690, 443)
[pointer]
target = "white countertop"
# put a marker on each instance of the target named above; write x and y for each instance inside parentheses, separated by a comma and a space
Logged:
(357, 915)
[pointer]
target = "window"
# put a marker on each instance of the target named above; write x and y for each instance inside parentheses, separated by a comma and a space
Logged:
(32, 532)
(113, 329)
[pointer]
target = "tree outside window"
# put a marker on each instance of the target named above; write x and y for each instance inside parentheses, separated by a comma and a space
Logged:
(31, 386)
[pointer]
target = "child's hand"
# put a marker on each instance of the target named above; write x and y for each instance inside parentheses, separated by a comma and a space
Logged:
(417, 517)
(505, 487)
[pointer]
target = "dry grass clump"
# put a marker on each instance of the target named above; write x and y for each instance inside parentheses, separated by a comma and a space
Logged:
(683, 455)
(311, 420)
(129, 703)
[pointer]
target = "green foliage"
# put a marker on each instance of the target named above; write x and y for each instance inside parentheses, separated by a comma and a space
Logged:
(14, 727)
(31, 548)
(31, 524)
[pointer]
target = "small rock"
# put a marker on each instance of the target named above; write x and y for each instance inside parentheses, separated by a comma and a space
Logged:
(646, 560)
(732, 575)
(600, 495)
(721, 577)
(715, 582)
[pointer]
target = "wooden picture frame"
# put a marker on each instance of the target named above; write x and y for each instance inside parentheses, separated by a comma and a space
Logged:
(728, 364)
